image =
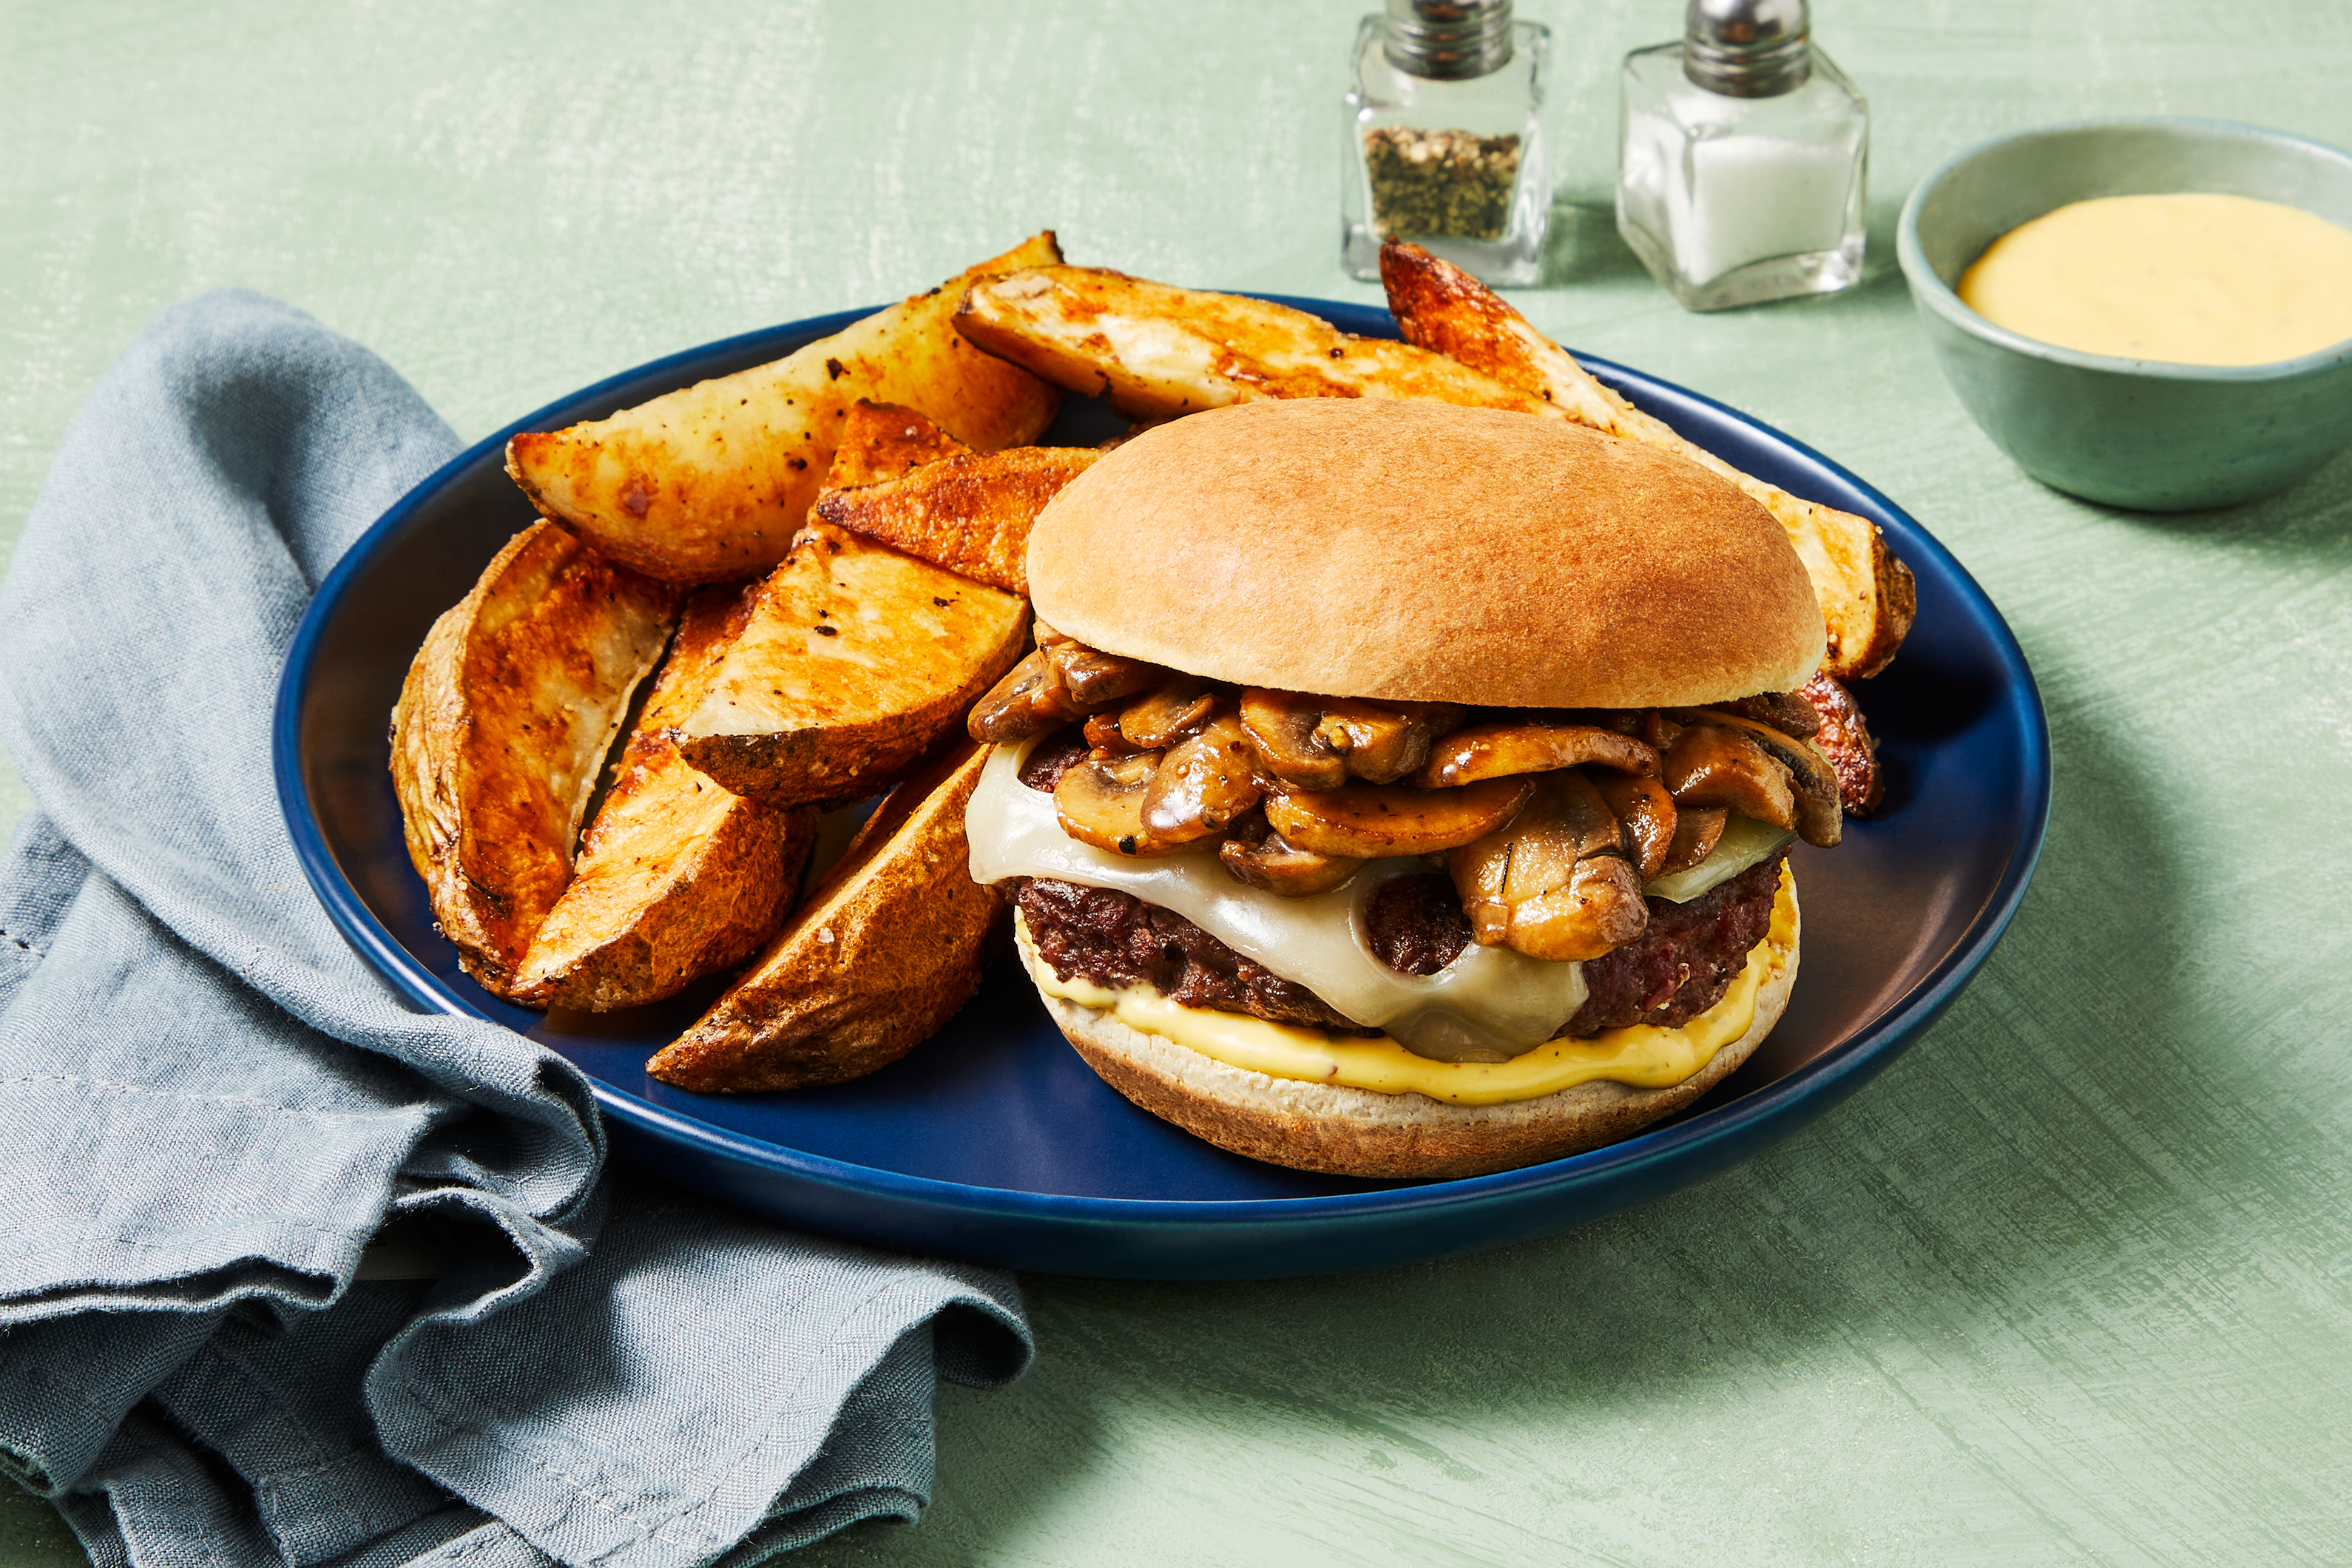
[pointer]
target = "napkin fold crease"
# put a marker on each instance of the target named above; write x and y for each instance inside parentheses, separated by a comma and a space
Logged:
(209, 1104)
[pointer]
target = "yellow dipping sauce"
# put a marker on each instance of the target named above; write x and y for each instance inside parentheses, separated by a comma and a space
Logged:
(2190, 279)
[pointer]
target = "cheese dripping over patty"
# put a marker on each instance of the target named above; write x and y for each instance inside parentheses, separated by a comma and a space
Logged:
(1489, 999)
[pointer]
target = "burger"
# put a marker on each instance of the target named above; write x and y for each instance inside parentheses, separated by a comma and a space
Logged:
(1406, 790)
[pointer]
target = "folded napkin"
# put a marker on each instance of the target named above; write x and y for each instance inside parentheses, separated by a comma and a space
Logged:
(209, 1104)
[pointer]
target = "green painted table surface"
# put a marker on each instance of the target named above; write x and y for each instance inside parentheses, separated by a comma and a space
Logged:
(2071, 1282)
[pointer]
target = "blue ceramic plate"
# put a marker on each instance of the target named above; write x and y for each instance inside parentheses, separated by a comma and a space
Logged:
(992, 1140)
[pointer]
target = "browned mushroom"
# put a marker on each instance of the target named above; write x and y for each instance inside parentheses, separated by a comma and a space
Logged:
(1599, 910)
(1566, 821)
(1203, 783)
(1319, 742)
(1657, 732)
(1262, 857)
(1285, 731)
(1647, 811)
(1176, 705)
(1095, 677)
(1480, 872)
(1104, 735)
(1367, 821)
(1710, 764)
(1101, 801)
(1696, 830)
(1029, 700)
(1555, 884)
(1786, 712)
(1811, 778)
(1383, 742)
(1534, 746)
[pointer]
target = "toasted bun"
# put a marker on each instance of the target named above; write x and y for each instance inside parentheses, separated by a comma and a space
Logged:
(1360, 1132)
(1420, 551)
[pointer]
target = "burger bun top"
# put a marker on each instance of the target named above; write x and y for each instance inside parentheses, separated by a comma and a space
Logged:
(1413, 551)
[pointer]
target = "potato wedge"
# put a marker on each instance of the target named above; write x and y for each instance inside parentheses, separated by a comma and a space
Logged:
(678, 879)
(971, 515)
(501, 727)
(706, 484)
(1867, 596)
(885, 952)
(1160, 350)
(882, 441)
(853, 660)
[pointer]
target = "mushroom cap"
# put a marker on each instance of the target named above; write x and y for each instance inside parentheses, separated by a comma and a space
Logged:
(1426, 551)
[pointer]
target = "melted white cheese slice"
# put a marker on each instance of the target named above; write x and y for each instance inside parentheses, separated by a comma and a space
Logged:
(1489, 999)
(1641, 1056)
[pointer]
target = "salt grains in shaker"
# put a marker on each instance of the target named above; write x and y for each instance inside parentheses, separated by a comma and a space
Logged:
(1741, 160)
(1443, 143)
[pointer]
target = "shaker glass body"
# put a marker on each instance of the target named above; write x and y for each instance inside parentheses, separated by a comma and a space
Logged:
(1732, 201)
(1455, 165)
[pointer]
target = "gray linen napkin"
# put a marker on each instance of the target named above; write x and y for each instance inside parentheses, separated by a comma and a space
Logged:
(209, 1105)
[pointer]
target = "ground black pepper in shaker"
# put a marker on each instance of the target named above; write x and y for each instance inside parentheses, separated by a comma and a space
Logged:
(1444, 145)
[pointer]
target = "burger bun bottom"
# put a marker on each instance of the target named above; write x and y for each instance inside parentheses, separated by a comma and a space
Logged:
(1361, 1132)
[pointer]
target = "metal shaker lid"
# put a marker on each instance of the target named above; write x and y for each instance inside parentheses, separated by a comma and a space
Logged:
(1747, 48)
(1448, 40)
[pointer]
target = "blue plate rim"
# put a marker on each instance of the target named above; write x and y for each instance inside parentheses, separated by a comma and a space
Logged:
(1689, 1141)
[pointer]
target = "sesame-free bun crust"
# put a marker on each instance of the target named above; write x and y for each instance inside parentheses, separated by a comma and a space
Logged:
(1422, 551)
(1361, 1132)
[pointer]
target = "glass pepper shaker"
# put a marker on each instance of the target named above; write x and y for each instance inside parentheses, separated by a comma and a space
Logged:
(1443, 143)
(1741, 159)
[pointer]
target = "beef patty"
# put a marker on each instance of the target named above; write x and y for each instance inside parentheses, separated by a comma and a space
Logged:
(1687, 960)
(1116, 940)
(1681, 966)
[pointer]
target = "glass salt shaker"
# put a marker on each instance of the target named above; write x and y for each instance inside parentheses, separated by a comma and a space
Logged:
(1741, 159)
(1444, 148)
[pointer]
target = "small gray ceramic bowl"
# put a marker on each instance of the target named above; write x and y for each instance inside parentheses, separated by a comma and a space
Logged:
(2146, 434)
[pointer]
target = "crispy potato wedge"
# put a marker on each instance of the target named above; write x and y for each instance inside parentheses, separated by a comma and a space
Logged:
(502, 727)
(853, 660)
(882, 441)
(1160, 350)
(885, 952)
(678, 879)
(706, 484)
(1867, 596)
(971, 515)
(1441, 308)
